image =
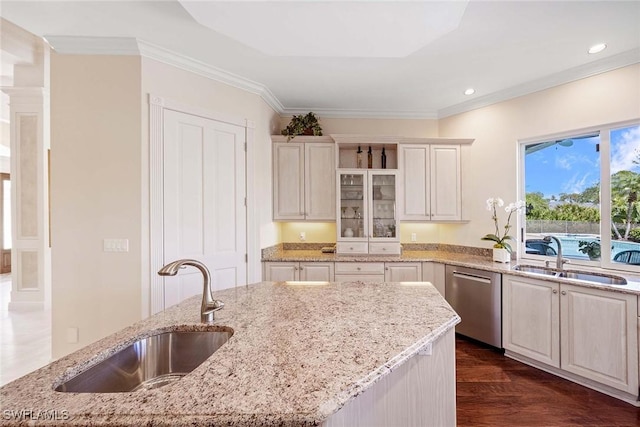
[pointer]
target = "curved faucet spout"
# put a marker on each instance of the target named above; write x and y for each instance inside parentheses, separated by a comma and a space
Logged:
(209, 305)
(559, 260)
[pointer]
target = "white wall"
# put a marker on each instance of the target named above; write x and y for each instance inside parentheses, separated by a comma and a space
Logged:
(491, 172)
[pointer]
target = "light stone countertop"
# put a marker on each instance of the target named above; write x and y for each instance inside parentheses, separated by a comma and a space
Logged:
(298, 354)
(457, 258)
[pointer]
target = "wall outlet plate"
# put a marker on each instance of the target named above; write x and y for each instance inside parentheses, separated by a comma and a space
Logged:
(303, 236)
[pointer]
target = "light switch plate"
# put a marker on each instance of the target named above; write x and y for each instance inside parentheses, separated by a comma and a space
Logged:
(115, 245)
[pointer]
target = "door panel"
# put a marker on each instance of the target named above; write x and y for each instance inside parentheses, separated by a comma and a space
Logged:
(204, 210)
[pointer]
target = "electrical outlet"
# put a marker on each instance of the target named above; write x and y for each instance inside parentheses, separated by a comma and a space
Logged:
(115, 245)
(414, 237)
(303, 236)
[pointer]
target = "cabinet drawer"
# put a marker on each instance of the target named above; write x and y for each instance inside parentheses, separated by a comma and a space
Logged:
(351, 247)
(384, 248)
(360, 277)
(359, 268)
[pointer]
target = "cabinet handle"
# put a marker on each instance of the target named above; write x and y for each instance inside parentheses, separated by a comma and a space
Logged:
(555, 291)
(563, 292)
(350, 248)
(384, 249)
(295, 268)
(358, 268)
(301, 268)
(386, 268)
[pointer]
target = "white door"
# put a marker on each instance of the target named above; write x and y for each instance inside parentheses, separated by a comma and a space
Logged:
(204, 202)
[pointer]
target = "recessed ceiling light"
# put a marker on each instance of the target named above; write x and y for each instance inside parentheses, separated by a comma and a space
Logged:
(470, 91)
(597, 48)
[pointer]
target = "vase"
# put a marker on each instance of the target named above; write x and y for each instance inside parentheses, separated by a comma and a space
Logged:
(501, 255)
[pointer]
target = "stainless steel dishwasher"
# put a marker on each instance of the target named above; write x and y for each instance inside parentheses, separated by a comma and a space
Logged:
(476, 295)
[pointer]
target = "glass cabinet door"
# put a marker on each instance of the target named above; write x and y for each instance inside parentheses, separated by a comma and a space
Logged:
(352, 213)
(384, 224)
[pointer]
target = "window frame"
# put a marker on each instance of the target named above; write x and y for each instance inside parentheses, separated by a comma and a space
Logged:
(604, 133)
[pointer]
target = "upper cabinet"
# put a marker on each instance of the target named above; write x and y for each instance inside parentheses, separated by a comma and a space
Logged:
(304, 178)
(430, 179)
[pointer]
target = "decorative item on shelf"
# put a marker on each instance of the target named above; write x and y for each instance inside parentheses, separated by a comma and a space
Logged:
(501, 248)
(383, 159)
(349, 212)
(377, 192)
(302, 125)
(359, 157)
(369, 158)
(592, 249)
(348, 232)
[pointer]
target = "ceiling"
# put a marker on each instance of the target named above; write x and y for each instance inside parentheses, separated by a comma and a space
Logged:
(409, 59)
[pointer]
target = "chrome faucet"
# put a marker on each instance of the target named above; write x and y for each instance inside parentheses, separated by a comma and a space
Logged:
(209, 305)
(559, 260)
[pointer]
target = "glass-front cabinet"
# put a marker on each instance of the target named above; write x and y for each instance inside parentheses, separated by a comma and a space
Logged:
(367, 219)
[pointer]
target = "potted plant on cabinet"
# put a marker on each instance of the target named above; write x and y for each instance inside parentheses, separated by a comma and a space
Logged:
(306, 124)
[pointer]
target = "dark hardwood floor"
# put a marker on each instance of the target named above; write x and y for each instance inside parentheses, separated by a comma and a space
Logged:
(493, 390)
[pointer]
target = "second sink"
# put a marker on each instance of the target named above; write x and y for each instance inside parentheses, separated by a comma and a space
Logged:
(148, 363)
(606, 279)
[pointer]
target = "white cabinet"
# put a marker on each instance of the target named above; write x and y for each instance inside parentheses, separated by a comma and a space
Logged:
(531, 318)
(434, 273)
(367, 222)
(359, 271)
(588, 332)
(598, 336)
(430, 182)
(306, 271)
(402, 271)
(304, 179)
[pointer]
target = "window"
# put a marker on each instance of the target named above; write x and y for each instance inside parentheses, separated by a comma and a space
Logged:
(584, 189)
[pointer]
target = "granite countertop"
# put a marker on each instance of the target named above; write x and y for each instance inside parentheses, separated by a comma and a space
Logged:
(299, 352)
(460, 256)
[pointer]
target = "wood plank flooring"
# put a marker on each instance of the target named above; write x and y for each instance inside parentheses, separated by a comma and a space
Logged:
(493, 390)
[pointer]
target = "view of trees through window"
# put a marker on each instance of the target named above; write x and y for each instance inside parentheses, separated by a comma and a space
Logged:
(562, 180)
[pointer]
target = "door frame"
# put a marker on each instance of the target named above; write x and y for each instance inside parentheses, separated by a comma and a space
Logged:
(153, 294)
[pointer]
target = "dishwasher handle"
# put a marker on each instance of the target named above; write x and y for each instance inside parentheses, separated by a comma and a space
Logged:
(473, 277)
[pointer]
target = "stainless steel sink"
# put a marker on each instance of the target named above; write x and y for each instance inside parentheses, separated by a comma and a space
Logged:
(607, 279)
(535, 269)
(148, 363)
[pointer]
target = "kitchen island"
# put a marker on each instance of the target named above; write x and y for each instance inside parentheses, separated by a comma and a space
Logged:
(302, 353)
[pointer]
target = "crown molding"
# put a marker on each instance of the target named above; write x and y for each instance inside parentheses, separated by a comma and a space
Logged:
(362, 114)
(157, 53)
(610, 63)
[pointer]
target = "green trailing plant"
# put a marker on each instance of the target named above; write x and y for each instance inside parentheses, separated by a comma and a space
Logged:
(306, 124)
(592, 249)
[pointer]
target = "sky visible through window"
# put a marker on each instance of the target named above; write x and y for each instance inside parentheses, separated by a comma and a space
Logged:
(572, 165)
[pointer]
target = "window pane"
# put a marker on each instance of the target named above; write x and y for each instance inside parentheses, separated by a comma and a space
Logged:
(562, 186)
(625, 189)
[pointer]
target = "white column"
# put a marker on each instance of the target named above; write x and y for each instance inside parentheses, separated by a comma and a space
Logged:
(30, 251)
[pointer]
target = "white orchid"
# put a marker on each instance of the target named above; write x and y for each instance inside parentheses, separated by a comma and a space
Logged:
(492, 205)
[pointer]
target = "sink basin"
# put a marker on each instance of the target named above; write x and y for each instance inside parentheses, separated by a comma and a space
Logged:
(148, 363)
(606, 279)
(535, 269)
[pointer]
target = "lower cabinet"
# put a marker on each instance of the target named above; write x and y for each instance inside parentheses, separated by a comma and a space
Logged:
(362, 271)
(587, 332)
(433, 272)
(419, 392)
(402, 271)
(289, 271)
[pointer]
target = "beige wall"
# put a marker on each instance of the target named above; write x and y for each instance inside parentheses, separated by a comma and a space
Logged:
(95, 194)
(491, 172)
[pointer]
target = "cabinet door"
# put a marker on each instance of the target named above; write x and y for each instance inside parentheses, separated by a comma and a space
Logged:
(599, 336)
(351, 224)
(402, 272)
(319, 187)
(445, 183)
(530, 322)
(288, 180)
(414, 183)
(281, 271)
(316, 271)
(434, 273)
(381, 206)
